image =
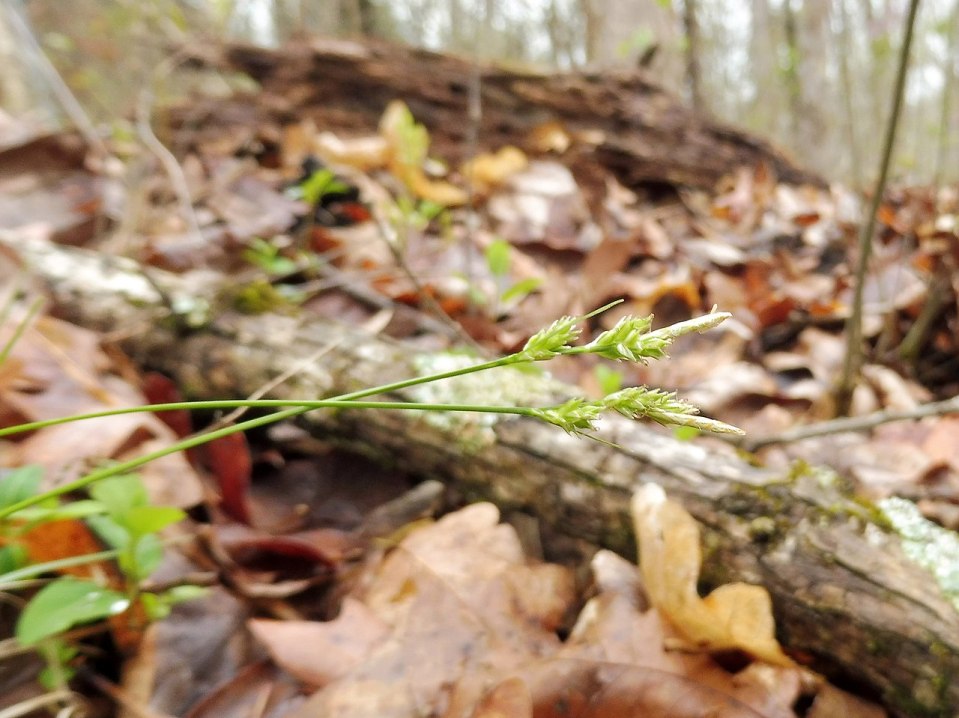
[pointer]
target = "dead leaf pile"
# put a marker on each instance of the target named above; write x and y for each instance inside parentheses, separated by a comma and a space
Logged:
(452, 619)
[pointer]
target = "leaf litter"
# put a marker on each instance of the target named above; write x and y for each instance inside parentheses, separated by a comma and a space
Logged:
(451, 618)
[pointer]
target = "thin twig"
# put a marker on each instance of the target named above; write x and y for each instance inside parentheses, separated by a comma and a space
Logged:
(852, 361)
(234, 415)
(474, 119)
(170, 164)
(849, 424)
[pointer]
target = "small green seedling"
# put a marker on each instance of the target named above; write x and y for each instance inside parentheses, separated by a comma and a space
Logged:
(413, 215)
(121, 514)
(267, 256)
(499, 260)
(318, 185)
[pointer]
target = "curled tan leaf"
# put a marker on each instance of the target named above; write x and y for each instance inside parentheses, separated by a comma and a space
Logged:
(734, 616)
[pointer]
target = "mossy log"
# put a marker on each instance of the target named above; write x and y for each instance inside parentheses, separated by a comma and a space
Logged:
(617, 121)
(844, 591)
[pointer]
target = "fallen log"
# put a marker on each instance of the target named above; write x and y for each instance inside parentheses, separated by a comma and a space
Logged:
(844, 590)
(618, 121)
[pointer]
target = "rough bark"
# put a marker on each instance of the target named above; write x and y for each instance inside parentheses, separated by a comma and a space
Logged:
(844, 591)
(621, 121)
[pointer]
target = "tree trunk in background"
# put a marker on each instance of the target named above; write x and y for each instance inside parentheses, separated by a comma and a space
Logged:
(592, 27)
(851, 121)
(766, 112)
(817, 138)
(791, 73)
(366, 12)
(459, 39)
(944, 147)
(693, 54)
(879, 54)
(320, 18)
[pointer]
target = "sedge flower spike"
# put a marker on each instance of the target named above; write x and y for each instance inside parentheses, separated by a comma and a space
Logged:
(664, 408)
(551, 341)
(631, 340)
(574, 416)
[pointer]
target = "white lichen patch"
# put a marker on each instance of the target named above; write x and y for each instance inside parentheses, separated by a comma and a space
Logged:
(503, 386)
(929, 545)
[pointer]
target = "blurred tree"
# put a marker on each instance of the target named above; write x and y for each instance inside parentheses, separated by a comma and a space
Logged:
(693, 51)
(852, 158)
(945, 138)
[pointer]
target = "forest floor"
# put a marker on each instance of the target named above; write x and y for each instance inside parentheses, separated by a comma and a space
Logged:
(314, 608)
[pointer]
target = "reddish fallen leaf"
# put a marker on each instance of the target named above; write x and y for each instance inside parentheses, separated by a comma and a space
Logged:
(160, 389)
(249, 546)
(228, 459)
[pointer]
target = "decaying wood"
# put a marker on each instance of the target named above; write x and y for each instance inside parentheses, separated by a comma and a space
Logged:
(844, 591)
(619, 121)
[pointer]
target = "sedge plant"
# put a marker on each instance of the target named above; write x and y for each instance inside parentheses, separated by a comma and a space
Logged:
(119, 511)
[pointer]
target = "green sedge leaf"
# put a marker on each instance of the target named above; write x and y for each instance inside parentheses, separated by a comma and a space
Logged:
(73, 510)
(65, 603)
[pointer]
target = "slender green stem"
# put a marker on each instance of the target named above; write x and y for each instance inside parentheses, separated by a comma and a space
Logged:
(396, 386)
(263, 404)
(38, 569)
(131, 464)
(347, 399)
(125, 466)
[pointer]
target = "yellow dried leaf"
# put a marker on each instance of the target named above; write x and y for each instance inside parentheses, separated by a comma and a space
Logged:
(436, 191)
(550, 136)
(408, 145)
(734, 616)
(490, 169)
(363, 153)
